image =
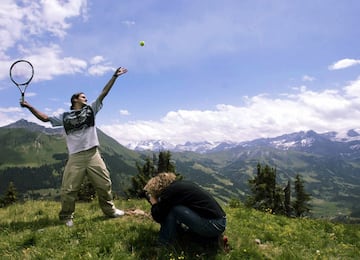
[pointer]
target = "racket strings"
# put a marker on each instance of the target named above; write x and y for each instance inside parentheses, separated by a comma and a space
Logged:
(21, 73)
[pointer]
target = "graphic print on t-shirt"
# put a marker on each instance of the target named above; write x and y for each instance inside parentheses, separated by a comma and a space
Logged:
(78, 120)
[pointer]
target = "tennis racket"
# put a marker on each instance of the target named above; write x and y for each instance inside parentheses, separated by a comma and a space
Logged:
(21, 73)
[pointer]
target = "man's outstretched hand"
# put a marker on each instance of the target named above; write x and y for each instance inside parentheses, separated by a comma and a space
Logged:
(137, 212)
(120, 71)
(24, 104)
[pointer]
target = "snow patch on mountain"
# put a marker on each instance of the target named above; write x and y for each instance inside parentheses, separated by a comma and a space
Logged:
(347, 135)
(152, 145)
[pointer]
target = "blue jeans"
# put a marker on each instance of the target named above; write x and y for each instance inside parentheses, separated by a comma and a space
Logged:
(182, 215)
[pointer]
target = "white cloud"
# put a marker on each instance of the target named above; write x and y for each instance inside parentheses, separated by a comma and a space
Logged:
(9, 109)
(52, 15)
(98, 70)
(343, 64)
(97, 59)
(124, 112)
(10, 25)
(48, 62)
(99, 66)
(10, 114)
(261, 116)
(24, 25)
(32, 19)
(307, 78)
(352, 92)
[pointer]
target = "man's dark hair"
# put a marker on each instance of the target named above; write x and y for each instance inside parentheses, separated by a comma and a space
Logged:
(73, 97)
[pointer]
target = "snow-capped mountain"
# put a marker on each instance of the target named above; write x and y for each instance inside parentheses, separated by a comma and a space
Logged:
(204, 147)
(198, 147)
(152, 145)
(329, 143)
(302, 141)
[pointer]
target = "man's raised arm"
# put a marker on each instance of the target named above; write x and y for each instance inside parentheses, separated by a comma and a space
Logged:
(39, 115)
(111, 82)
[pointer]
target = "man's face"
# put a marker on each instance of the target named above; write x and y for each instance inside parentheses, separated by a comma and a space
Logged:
(82, 100)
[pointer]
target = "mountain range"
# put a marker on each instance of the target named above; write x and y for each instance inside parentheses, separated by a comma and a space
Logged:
(329, 163)
(302, 140)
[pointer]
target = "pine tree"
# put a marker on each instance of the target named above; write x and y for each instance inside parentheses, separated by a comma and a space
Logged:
(145, 173)
(287, 201)
(278, 203)
(10, 196)
(265, 194)
(164, 163)
(301, 203)
(151, 168)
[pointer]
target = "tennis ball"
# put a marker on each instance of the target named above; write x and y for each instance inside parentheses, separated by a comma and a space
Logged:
(142, 43)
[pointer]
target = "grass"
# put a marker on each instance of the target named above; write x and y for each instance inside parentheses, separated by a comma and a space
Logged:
(32, 231)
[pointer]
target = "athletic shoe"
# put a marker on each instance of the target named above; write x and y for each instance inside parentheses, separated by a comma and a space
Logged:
(118, 213)
(69, 222)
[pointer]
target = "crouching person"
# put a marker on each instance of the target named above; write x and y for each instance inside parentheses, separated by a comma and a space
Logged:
(180, 205)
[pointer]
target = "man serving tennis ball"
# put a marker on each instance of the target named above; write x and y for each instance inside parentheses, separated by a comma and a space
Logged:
(84, 157)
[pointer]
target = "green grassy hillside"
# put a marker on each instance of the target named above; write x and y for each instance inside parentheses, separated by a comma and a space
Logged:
(35, 160)
(32, 231)
(19, 147)
(333, 182)
(23, 148)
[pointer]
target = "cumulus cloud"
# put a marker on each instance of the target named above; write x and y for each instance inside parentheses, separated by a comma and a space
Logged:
(32, 19)
(7, 114)
(48, 62)
(23, 27)
(50, 15)
(99, 66)
(343, 64)
(99, 70)
(260, 116)
(352, 91)
(96, 59)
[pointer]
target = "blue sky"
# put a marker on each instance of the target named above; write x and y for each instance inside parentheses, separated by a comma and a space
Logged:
(209, 70)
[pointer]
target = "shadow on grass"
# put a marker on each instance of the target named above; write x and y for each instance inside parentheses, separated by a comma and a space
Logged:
(33, 225)
(41, 222)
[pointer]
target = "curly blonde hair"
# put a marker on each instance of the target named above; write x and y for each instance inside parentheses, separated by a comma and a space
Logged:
(158, 183)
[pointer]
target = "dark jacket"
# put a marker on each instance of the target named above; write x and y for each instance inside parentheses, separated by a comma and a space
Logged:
(187, 194)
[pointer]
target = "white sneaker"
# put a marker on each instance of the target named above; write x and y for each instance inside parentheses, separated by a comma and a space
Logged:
(69, 223)
(118, 213)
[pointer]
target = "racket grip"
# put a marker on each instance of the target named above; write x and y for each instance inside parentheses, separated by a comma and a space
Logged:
(22, 97)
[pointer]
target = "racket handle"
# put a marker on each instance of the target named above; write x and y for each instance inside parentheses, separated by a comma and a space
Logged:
(22, 97)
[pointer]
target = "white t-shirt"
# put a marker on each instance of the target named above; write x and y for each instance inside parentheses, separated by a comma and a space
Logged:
(79, 127)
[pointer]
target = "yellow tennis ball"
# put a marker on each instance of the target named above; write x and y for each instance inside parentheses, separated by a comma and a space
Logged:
(142, 43)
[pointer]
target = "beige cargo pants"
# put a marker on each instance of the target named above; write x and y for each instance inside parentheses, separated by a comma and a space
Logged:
(86, 163)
